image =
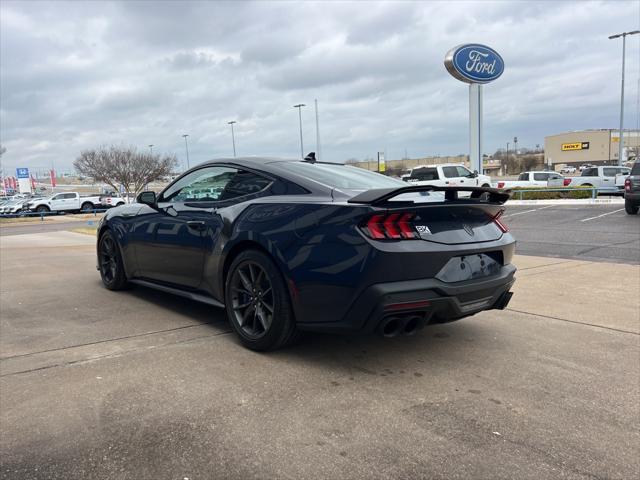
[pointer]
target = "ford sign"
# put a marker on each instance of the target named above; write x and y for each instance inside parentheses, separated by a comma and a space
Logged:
(474, 63)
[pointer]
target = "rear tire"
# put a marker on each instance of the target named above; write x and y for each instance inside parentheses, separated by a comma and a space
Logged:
(42, 209)
(630, 208)
(86, 207)
(110, 263)
(258, 304)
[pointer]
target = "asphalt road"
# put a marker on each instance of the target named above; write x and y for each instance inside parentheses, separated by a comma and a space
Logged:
(143, 385)
(583, 232)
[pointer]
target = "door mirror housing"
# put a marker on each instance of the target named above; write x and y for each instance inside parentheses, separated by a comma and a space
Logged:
(474, 174)
(147, 198)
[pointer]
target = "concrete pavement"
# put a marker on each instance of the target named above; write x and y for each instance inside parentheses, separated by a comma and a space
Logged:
(138, 384)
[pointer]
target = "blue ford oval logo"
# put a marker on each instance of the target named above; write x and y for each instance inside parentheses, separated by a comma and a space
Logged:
(474, 63)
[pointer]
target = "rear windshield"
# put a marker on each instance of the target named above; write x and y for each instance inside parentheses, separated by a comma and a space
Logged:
(636, 168)
(343, 176)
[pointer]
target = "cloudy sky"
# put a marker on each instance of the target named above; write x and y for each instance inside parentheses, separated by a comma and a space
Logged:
(80, 74)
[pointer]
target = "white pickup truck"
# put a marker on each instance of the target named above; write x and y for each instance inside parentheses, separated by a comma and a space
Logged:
(603, 178)
(447, 175)
(65, 202)
(540, 179)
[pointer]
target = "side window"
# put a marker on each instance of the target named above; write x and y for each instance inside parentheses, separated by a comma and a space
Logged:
(58, 197)
(450, 172)
(244, 183)
(523, 177)
(69, 195)
(425, 174)
(609, 172)
(463, 172)
(589, 172)
(554, 176)
(205, 184)
(541, 177)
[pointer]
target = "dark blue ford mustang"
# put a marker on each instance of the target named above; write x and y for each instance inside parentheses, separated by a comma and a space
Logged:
(289, 245)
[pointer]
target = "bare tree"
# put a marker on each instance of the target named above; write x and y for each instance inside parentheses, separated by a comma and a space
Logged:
(124, 166)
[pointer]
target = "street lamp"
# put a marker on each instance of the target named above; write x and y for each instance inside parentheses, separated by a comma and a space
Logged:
(233, 137)
(151, 149)
(624, 43)
(186, 146)
(299, 107)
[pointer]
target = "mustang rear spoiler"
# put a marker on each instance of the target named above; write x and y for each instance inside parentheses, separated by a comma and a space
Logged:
(479, 194)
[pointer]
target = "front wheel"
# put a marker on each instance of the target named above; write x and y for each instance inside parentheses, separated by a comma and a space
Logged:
(258, 304)
(42, 209)
(86, 207)
(110, 262)
(631, 208)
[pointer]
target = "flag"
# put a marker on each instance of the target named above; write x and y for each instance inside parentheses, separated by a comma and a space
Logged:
(33, 183)
(52, 175)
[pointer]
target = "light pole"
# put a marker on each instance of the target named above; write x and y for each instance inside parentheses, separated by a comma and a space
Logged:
(233, 137)
(506, 164)
(151, 149)
(299, 107)
(186, 146)
(624, 44)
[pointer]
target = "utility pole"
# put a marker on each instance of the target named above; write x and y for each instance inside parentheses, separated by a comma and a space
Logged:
(318, 149)
(299, 107)
(624, 44)
(186, 146)
(506, 163)
(151, 149)
(233, 137)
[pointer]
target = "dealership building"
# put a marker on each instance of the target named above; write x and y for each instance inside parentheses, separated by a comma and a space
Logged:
(596, 147)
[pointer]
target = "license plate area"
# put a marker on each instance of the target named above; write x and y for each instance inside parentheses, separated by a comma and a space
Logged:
(469, 267)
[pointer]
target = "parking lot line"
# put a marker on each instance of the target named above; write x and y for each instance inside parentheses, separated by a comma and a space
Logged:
(528, 211)
(604, 214)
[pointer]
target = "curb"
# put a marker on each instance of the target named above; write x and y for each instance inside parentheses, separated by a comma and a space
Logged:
(582, 201)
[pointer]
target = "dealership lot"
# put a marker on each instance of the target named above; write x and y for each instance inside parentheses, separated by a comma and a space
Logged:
(139, 384)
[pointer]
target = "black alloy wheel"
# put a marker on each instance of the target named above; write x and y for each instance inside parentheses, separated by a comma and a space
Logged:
(110, 263)
(252, 299)
(258, 304)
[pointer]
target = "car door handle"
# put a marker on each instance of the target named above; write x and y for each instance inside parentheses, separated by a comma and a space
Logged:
(196, 225)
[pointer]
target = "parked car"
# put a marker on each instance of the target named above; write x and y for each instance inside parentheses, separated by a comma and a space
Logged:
(449, 174)
(112, 199)
(293, 245)
(568, 169)
(536, 179)
(603, 178)
(11, 207)
(632, 190)
(65, 202)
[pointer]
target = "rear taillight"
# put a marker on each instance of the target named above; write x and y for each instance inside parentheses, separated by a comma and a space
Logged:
(567, 181)
(500, 184)
(395, 226)
(496, 219)
(627, 184)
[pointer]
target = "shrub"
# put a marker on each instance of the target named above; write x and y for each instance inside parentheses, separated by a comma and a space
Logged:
(549, 194)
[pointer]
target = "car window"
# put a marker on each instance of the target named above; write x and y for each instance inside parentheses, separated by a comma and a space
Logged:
(523, 177)
(463, 172)
(425, 174)
(343, 176)
(450, 172)
(541, 177)
(69, 195)
(625, 171)
(554, 176)
(609, 172)
(58, 197)
(205, 184)
(589, 172)
(244, 183)
(635, 170)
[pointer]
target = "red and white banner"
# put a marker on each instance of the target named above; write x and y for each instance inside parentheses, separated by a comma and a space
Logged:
(52, 175)
(33, 183)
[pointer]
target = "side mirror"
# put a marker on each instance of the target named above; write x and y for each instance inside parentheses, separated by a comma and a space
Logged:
(147, 198)
(475, 174)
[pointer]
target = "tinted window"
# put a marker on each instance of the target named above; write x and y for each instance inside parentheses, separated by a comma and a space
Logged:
(205, 184)
(541, 177)
(636, 168)
(425, 174)
(589, 172)
(610, 172)
(463, 172)
(244, 183)
(343, 176)
(69, 195)
(523, 177)
(450, 172)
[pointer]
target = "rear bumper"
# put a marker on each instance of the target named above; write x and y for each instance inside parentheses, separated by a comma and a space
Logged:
(633, 197)
(432, 300)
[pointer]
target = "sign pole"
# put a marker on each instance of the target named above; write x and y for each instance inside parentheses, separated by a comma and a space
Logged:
(475, 127)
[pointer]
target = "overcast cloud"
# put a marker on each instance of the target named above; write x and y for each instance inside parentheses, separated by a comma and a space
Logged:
(81, 74)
